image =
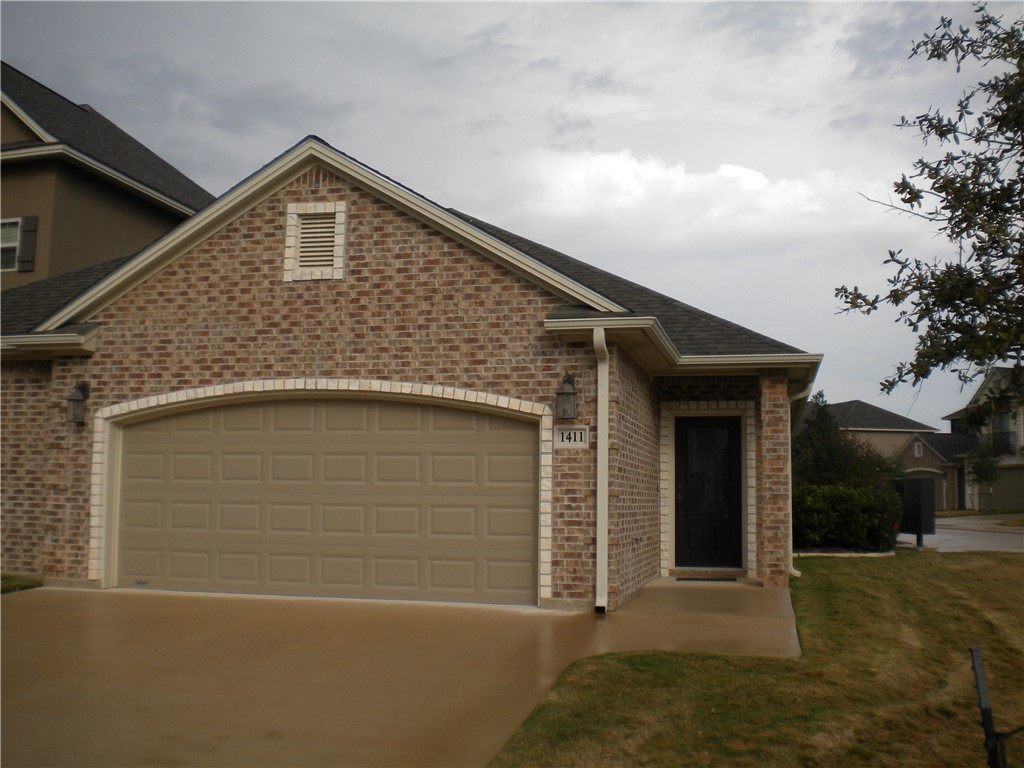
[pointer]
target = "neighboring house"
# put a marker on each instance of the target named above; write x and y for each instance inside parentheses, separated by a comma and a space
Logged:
(942, 457)
(326, 384)
(77, 190)
(920, 450)
(999, 423)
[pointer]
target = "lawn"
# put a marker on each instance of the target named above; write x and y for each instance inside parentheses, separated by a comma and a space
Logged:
(885, 679)
(17, 583)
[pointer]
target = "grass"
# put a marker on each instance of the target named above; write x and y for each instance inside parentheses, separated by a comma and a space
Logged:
(17, 583)
(885, 679)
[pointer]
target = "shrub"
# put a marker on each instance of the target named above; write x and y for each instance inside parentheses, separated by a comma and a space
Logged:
(865, 518)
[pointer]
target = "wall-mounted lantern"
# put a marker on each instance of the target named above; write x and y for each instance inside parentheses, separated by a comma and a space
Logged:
(76, 403)
(565, 398)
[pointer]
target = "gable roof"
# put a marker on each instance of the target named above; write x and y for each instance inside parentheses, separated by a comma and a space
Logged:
(85, 136)
(951, 448)
(856, 414)
(595, 298)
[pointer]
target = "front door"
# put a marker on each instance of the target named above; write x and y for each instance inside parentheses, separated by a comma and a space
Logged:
(709, 530)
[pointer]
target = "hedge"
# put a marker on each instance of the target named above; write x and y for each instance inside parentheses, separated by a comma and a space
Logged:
(864, 519)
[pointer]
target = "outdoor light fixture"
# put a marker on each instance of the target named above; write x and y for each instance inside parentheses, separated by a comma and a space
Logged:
(565, 398)
(76, 403)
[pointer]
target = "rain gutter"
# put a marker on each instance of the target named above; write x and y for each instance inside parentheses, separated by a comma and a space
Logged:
(601, 586)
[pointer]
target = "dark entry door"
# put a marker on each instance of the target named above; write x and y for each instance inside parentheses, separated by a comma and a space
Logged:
(709, 532)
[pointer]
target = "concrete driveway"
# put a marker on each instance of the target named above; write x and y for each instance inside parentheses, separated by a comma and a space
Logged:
(122, 678)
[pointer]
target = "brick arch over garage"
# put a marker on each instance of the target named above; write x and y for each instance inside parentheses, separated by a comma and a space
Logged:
(110, 422)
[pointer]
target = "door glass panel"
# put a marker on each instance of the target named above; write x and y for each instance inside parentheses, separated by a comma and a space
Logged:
(707, 477)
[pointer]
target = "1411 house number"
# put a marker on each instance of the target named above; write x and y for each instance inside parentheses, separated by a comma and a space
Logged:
(573, 437)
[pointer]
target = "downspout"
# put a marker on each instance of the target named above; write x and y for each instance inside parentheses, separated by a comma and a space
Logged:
(601, 585)
(802, 395)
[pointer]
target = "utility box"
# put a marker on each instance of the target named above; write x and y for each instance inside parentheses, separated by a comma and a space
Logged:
(918, 498)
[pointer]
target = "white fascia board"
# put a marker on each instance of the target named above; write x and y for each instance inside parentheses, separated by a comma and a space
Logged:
(929, 430)
(652, 327)
(63, 151)
(782, 360)
(264, 183)
(31, 124)
(43, 345)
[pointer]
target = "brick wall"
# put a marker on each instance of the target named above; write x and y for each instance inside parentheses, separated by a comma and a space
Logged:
(29, 528)
(763, 400)
(773, 491)
(634, 547)
(413, 306)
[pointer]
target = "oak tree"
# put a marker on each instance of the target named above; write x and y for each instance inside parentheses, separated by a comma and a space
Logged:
(967, 308)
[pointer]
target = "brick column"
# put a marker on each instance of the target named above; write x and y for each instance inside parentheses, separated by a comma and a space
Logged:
(774, 485)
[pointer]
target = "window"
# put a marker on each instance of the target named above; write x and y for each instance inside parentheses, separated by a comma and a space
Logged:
(9, 244)
(315, 241)
(18, 244)
(918, 450)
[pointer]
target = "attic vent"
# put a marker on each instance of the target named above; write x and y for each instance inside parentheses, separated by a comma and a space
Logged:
(315, 241)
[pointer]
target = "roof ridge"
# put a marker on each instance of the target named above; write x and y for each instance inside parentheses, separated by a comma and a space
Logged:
(44, 86)
(87, 131)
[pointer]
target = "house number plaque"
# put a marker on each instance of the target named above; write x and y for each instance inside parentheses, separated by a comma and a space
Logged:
(572, 438)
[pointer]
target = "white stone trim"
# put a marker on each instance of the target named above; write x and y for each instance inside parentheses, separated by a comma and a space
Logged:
(746, 410)
(110, 421)
(292, 270)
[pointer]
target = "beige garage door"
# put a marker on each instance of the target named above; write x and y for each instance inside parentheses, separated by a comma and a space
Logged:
(337, 497)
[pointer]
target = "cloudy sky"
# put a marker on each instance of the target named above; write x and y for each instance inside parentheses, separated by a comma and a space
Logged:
(718, 152)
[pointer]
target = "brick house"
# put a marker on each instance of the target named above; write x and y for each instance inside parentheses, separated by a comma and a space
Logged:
(77, 190)
(326, 384)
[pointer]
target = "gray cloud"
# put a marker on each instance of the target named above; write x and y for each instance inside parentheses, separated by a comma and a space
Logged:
(690, 140)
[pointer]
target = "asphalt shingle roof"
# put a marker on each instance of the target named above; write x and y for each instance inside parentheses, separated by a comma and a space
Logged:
(692, 331)
(856, 414)
(24, 308)
(952, 448)
(83, 128)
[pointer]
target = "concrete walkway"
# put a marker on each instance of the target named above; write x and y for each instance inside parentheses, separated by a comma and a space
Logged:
(983, 533)
(122, 678)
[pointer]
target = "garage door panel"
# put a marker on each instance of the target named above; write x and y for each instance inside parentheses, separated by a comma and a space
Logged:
(344, 520)
(346, 469)
(238, 569)
(239, 518)
(397, 469)
(143, 467)
(391, 521)
(142, 515)
(194, 422)
(451, 521)
(241, 467)
(190, 516)
(290, 519)
(399, 417)
(361, 499)
(189, 565)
